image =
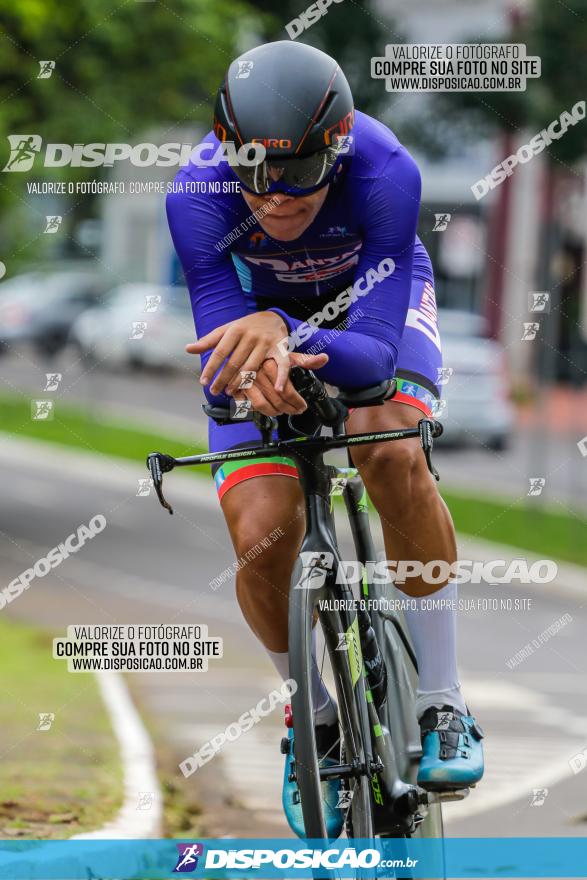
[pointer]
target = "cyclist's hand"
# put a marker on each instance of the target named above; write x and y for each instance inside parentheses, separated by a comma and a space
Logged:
(243, 344)
(263, 395)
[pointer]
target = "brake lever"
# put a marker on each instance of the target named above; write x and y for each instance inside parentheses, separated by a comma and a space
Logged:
(428, 430)
(158, 464)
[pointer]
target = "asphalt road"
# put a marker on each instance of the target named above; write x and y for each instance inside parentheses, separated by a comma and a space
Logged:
(149, 567)
(173, 401)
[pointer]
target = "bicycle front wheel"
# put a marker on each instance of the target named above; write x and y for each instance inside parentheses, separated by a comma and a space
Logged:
(345, 669)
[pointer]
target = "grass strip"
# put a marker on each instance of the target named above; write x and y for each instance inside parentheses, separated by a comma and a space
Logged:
(65, 779)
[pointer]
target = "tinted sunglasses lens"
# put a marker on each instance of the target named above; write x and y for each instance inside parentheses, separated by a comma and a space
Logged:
(296, 174)
(308, 172)
(253, 177)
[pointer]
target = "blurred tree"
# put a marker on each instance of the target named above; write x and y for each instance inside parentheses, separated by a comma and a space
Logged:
(124, 70)
(557, 32)
(120, 70)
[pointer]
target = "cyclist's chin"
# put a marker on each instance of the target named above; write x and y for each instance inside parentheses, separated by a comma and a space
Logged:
(286, 217)
(287, 228)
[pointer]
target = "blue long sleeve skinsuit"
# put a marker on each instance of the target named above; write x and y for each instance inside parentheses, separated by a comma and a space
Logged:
(369, 217)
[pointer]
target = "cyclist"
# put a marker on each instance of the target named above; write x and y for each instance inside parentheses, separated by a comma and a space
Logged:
(332, 207)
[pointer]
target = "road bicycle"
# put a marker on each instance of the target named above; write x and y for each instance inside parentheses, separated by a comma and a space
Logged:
(368, 651)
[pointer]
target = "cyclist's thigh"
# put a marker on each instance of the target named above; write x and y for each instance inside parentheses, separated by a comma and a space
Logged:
(258, 496)
(266, 515)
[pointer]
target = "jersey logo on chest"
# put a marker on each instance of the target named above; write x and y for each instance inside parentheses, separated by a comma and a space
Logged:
(310, 265)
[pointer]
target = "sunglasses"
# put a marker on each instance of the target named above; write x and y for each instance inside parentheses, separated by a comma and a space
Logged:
(297, 176)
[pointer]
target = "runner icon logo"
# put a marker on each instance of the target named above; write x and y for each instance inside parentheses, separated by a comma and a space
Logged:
(315, 568)
(23, 149)
(187, 860)
(443, 720)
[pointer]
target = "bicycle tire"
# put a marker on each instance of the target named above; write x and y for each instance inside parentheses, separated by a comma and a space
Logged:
(302, 607)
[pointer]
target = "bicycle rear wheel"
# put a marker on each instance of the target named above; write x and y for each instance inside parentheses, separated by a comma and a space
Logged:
(346, 665)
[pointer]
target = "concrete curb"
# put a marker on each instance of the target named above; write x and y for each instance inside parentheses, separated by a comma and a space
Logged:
(136, 749)
(56, 858)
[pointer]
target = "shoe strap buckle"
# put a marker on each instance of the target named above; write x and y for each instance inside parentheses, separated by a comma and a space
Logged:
(477, 731)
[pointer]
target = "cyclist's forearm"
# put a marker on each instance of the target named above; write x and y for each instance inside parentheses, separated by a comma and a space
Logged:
(354, 359)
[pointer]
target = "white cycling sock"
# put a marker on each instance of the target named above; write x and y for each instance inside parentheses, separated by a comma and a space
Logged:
(434, 634)
(324, 706)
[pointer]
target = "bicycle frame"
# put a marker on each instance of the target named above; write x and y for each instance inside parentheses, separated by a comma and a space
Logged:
(320, 541)
(401, 799)
(394, 773)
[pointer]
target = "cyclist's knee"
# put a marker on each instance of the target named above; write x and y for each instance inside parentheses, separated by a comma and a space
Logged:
(265, 551)
(397, 469)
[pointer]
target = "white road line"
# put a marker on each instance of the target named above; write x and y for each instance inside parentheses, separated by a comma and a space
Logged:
(509, 702)
(260, 788)
(31, 492)
(104, 578)
(515, 765)
(139, 768)
(107, 472)
(253, 764)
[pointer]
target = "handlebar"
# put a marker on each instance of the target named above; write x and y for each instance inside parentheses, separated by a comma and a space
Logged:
(331, 412)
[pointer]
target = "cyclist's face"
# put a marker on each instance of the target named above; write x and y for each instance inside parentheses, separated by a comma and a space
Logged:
(288, 216)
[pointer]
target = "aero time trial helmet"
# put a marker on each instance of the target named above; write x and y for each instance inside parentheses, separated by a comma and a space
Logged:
(296, 102)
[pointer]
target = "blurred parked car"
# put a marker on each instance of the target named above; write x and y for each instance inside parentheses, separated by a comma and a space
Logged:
(40, 307)
(138, 325)
(477, 394)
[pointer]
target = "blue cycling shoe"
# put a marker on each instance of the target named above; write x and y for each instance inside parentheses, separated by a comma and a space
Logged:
(328, 748)
(452, 754)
